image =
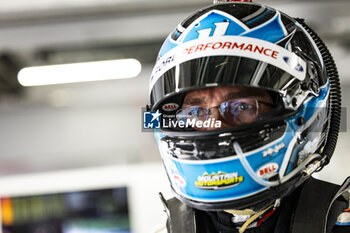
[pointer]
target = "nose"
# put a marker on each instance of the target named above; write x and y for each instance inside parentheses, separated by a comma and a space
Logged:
(214, 113)
(213, 116)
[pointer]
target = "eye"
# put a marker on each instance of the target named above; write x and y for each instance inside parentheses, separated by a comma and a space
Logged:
(194, 111)
(239, 111)
(191, 112)
(244, 106)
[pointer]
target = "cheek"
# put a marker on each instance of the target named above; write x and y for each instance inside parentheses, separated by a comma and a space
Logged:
(263, 108)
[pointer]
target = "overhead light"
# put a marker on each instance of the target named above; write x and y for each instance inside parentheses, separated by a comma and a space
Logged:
(79, 72)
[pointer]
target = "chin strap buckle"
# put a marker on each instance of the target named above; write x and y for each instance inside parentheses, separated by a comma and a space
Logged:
(311, 168)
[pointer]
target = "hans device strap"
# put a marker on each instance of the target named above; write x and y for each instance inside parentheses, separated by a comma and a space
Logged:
(318, 206)
(181, 217)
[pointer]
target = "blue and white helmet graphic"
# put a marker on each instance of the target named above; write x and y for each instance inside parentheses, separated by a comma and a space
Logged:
(246, 45)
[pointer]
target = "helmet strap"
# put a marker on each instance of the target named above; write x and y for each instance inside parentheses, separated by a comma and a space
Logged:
(241, 212)
(253, 214)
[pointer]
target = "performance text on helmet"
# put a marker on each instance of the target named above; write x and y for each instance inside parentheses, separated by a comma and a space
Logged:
(232, 45)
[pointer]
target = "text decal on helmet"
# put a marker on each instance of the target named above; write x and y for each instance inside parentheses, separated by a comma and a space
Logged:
(218, 181)
(231, 46)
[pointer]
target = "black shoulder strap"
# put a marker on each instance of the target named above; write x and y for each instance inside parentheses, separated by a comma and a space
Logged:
(181, 217)
(317, 208)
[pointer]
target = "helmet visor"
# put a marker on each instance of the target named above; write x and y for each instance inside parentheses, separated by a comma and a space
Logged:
(220, 71)
(251, 77)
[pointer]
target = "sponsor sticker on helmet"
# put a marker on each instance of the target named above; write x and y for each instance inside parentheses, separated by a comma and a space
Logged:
(218, 181)
(294, 64)
(268, 170)
(170, 107)
(179, 180)
(271, 151)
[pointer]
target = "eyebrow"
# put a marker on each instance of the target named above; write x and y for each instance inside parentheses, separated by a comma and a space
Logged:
(242, 94)
(194, 101)
(229, 96)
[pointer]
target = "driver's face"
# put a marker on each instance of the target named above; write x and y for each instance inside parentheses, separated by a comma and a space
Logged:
(215, 96)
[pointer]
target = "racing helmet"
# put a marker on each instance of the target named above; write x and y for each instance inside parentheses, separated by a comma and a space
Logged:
(256, 47)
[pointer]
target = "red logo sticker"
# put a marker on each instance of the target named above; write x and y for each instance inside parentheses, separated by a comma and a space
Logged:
(179, 180)
(170, 107)
(268, 170)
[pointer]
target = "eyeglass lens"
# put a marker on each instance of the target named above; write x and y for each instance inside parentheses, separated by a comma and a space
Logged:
(235, 112)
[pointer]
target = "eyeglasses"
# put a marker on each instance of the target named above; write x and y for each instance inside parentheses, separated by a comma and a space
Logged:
(234, 112)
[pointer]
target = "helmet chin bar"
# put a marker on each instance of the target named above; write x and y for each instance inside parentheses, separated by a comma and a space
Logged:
(307, 167)
(274, 192)
(255, 202)
(249, 169)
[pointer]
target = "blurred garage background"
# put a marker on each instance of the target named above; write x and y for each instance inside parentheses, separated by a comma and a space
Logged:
(75, 138)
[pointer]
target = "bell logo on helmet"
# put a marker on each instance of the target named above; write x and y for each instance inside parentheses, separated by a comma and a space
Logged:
(170, 107)
(179, 180)
(218, 181)
(268, 170)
